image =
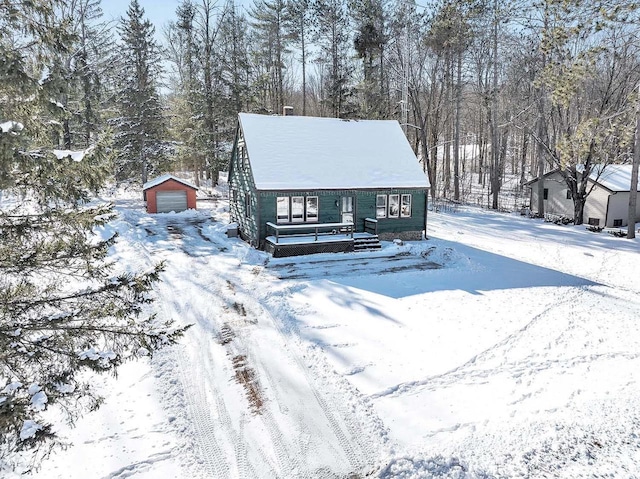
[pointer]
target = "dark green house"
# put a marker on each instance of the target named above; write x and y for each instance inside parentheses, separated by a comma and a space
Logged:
(303, 185)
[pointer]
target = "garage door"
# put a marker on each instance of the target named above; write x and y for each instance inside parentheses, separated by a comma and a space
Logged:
(171, 201)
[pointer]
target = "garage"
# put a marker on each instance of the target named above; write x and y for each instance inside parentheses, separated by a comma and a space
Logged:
(167, 201)
(169, 193)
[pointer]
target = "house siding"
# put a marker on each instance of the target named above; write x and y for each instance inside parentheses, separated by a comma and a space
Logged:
(601, 203)
(596, 205)
(556, 202)
(619, 208)
(365, 207)
(241, 187)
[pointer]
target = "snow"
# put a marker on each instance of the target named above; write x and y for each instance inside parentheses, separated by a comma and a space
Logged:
(11, 126)
(161, 179)
(613, 177)
(39, 401)
(77, 155)
(329, 153)
(501, 347)
(29, 429)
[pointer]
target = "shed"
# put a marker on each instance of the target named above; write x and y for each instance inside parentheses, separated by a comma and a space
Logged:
(608, 201)
(168, 193)
(307, 185)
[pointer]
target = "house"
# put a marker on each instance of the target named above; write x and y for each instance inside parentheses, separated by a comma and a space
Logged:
(607, 205)
(303, 185)
(168, 193)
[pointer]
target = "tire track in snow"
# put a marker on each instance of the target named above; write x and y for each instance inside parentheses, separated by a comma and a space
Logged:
(204, 425)
(212, 457)
(356, 452)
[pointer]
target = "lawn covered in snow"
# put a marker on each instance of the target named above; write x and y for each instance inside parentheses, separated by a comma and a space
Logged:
(501, 347)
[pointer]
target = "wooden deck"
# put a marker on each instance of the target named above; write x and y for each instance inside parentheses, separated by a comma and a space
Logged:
(302, 239)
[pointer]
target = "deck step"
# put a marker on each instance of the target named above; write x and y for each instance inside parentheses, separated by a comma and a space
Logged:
(368, 243)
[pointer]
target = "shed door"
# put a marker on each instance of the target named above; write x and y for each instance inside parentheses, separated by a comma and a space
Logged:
(171, 201)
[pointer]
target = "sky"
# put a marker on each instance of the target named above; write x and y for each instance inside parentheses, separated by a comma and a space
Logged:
(159, 12)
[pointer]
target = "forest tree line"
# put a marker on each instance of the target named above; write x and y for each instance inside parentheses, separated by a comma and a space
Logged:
(485, 89)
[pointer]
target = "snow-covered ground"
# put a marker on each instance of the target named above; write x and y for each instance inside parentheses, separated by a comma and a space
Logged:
(500, 347)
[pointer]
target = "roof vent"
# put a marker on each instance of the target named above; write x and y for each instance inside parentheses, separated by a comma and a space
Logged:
(287, 111)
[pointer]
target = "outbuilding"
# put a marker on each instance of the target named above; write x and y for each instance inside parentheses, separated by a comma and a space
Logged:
(607, 205)
(168, 193)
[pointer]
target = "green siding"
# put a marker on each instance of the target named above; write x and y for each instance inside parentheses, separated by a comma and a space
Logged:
(241, 182)
(365, 207)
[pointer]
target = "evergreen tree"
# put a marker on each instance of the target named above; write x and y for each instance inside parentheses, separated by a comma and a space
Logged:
(269, 23)
(370, 41)
(64, 309)
(298, 27)
(141, 126)
(332, 35)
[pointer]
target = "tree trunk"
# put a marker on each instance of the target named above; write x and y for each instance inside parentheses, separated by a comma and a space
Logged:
(633, 189)
(456, 138)
(495, 177)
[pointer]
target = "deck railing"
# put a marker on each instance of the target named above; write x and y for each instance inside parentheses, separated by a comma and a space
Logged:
(317, 229)
(371, 226)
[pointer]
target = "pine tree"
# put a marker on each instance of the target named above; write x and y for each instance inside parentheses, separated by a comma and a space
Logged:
(332, 35)
(64, 308)
(141, 126)
(370, 41)
(269, 23)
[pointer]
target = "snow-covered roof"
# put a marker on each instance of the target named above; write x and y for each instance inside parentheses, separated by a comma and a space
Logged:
(161, 179)
(613, 177)
(299, 152)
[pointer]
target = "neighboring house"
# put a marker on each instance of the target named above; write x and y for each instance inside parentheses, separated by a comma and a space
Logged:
(303, 184)
(607, 205)
(168, 193)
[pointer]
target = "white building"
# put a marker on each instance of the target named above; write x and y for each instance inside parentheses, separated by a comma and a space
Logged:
(607, 205)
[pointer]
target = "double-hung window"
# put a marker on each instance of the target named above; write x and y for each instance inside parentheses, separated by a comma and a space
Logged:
(282, 207)
(405, 206)
(297, 209)
(381, 206)
(312, 208)
(394, 206)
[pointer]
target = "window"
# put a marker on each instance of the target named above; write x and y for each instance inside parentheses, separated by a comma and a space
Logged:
(282, 207)
(381, 206)
(546, 193)
(297, 209)
(594, 221)
(394, 206)
(247, 206)
(312, 208)
(405, 207)
(568, 195)
(234, 196)
(617, 222)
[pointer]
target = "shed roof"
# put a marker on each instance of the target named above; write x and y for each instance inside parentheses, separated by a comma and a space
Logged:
(299, 152)
(615, 178)
(161, 179)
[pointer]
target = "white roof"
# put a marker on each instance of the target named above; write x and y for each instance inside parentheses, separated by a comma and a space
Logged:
(300, 152)
(613, 177)
(161, 179)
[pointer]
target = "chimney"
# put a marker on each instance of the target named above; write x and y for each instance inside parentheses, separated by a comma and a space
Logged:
(287, 111)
